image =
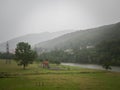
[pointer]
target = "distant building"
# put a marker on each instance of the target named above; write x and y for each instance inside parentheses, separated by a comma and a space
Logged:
(89, 46)
(69, 51)
(86, 47)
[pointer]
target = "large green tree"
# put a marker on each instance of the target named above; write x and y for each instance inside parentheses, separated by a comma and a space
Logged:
(24, 55)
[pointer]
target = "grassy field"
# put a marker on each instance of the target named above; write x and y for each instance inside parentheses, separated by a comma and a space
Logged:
(13, 77)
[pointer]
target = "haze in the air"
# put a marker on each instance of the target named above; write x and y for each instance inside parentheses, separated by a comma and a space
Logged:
(20, 17)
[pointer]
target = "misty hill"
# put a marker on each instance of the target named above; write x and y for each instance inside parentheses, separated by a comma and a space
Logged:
(83, 38)
(32, 39)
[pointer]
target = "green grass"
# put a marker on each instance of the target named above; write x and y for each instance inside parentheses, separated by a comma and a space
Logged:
(67, 78)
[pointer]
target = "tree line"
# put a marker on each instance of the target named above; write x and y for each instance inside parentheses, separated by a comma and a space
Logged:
(5, 55)
(106, 52)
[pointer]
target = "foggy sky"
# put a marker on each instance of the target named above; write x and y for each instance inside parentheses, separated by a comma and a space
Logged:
(20, 17)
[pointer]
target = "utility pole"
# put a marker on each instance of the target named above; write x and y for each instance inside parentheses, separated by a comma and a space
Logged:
(7, 53)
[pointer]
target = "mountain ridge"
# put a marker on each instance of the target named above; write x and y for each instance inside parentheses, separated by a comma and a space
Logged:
(32, 39)
(83, 38)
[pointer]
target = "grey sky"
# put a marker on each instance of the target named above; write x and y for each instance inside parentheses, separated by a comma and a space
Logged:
(19, 17)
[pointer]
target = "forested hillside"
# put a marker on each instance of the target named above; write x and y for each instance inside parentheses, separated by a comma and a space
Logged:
(96, 46)
(83, 38)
